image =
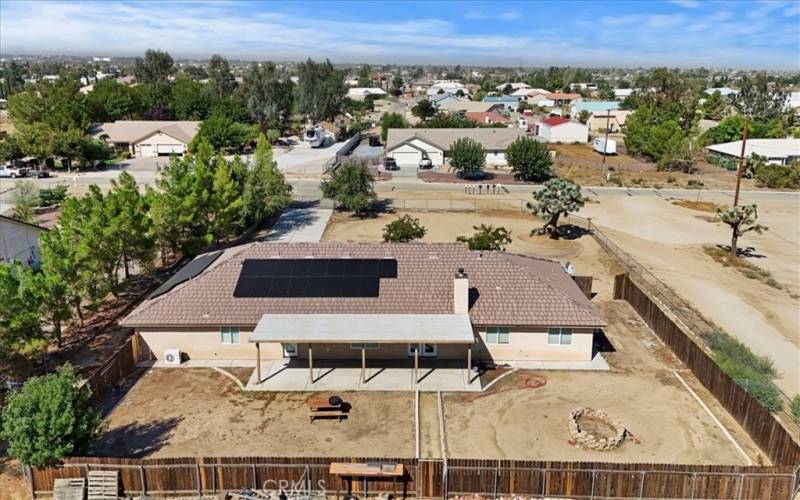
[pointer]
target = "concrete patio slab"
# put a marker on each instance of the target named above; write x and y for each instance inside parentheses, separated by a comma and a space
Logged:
(300, 224)
(278, 375)
(598, 363)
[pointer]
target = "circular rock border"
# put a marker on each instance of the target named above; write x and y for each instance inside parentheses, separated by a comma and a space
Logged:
(587, 440)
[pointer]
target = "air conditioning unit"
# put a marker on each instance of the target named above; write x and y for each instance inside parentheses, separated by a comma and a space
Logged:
(172, 356)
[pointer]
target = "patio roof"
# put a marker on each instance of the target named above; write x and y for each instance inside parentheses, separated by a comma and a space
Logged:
(373, 328)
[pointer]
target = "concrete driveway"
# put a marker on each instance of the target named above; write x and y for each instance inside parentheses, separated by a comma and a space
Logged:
(303, 159)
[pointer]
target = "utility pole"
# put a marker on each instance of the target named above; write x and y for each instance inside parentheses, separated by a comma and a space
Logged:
(605, 146)
(740, 170)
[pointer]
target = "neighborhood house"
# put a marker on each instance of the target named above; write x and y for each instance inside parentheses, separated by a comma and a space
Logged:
(376, 303)
(558, 129)
(19, 241)
(613, 119)
(776, 151)
(148, 139)
(408, 146)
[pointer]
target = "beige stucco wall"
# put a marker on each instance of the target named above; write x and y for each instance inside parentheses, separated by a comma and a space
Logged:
(19, 241)
(530, 344)
(597, 123)
(525, 344)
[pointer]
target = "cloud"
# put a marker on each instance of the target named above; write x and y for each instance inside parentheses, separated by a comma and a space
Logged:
(665, 20)
(686, 4)
(507, 15)
(619, 20)
(792, 11)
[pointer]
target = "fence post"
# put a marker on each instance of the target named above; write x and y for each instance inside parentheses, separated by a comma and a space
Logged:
(197, 479)
(255, 479)
(641, 485)
(141, 479)
(496, 477)
(594, 476)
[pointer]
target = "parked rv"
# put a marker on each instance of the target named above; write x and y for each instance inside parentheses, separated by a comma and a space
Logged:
(602, 147)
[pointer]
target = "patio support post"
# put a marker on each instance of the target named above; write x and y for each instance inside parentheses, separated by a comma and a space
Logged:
(310, 364)
(469, 363)
(363, 364)
(258, 362)
(416, 365)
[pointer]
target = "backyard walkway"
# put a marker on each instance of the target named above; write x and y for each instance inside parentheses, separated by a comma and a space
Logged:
(300, 223)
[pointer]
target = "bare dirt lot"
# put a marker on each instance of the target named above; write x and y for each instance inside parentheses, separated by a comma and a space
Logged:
(198, 411)
(669, 239)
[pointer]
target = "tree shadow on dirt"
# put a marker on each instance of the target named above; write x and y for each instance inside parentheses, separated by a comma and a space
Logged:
(744, 253)
(572, 232)
(136, 440)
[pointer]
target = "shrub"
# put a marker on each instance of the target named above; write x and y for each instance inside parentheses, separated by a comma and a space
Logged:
(529, 159)
(671, 179)
(50, 418)
(351, 187)
(487, 238)
(795, 407)
(778, 176)
(694, 183)
(403, 230)
(53, 196)
(762, 391)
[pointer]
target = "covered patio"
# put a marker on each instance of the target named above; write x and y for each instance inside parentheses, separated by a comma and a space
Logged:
(428, 352)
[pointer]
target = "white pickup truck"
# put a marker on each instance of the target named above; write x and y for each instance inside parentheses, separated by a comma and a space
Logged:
(12, 171)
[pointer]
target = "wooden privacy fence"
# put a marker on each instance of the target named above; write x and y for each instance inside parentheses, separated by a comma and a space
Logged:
(767, 432)
(119, 366)
(430, 478)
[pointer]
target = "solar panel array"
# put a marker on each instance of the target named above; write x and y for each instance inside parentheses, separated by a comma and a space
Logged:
(313, 277)
(187, 272)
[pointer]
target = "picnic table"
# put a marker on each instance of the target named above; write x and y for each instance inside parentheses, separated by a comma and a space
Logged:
(325, 407)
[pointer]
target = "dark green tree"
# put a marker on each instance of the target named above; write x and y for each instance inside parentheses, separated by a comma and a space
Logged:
(403, 230)
(223, 133)
(529, 159)
(351, 187)
(226, 202)
(266, 191)
(424, 109)
(760, 98)
(50, 418)
(154, 69)
(715, 107)
(268, 97)
(220, 76)
(191, 100)
(467, 156)
(487, 237)
(391, 120)
(130, 223)
(110, 101)
(446, 120)
(320, 90)
(21, 334)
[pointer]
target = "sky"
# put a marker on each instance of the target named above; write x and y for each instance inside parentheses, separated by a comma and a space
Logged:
(679, 33)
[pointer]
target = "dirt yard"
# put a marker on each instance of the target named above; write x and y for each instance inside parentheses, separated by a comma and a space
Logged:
(583, 165)
(198, 411)
(669, 240)
(516, 418)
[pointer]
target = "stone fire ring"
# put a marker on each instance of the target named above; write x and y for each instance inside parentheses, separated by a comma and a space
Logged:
(587, 440)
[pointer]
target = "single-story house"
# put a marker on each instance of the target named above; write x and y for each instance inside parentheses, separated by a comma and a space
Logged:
(373, 304)
(509, 102)
(148, 139)
(410, 145)
(613, 119)
(19, 241)
(361, 93)
(592, 106)
(514, 85)
(723, 91)
(447, 87)
(487, 118)
(562, 98)
(558, 129)
(529, 92)
(776, 151)
(444, 99)
(464, 106)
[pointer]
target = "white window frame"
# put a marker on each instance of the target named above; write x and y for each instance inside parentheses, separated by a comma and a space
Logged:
(357, 346)
(230, 331)
(494, 335)
(421, 348)
(564, 335)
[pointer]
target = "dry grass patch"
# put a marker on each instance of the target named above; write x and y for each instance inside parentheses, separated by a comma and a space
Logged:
(701, 206)
(748, 269)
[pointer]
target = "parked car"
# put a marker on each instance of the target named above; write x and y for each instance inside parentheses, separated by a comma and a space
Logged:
(472, 176)
(12, 171)
(38, 172)
(390, 164)
(425, 163)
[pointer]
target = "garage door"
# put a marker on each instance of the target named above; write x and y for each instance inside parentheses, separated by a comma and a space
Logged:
(147, 151)
(407, 159)
(168, 149)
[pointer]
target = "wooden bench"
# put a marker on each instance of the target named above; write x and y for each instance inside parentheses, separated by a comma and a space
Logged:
(338, 414)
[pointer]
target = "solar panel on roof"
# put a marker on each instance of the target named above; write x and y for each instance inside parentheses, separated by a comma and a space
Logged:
(187, 272)
(313, 277)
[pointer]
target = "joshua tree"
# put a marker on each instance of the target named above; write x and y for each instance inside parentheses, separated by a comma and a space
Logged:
(741, 220)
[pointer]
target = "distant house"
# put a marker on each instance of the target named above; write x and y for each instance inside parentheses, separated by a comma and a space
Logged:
(148, 139)
(515, 86)
(562, 98)
(527, 92)
(447, 87)
(592, 106)
(623, 93)
(486, 118)
(583, 86)
(509, 102)
(613, 119)
(442, 99)
(408, 145)
(19, 241)
(558, 129)
(723, 91)
(464, 106)
(361, 93)
(776, 151)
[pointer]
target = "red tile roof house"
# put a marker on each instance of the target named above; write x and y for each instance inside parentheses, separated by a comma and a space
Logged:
(486, 118)
(559, 129)
(305, 305)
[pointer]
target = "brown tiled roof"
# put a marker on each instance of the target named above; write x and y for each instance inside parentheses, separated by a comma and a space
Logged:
(511, 289)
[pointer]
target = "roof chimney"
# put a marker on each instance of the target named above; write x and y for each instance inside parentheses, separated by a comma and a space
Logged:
(461, 292)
